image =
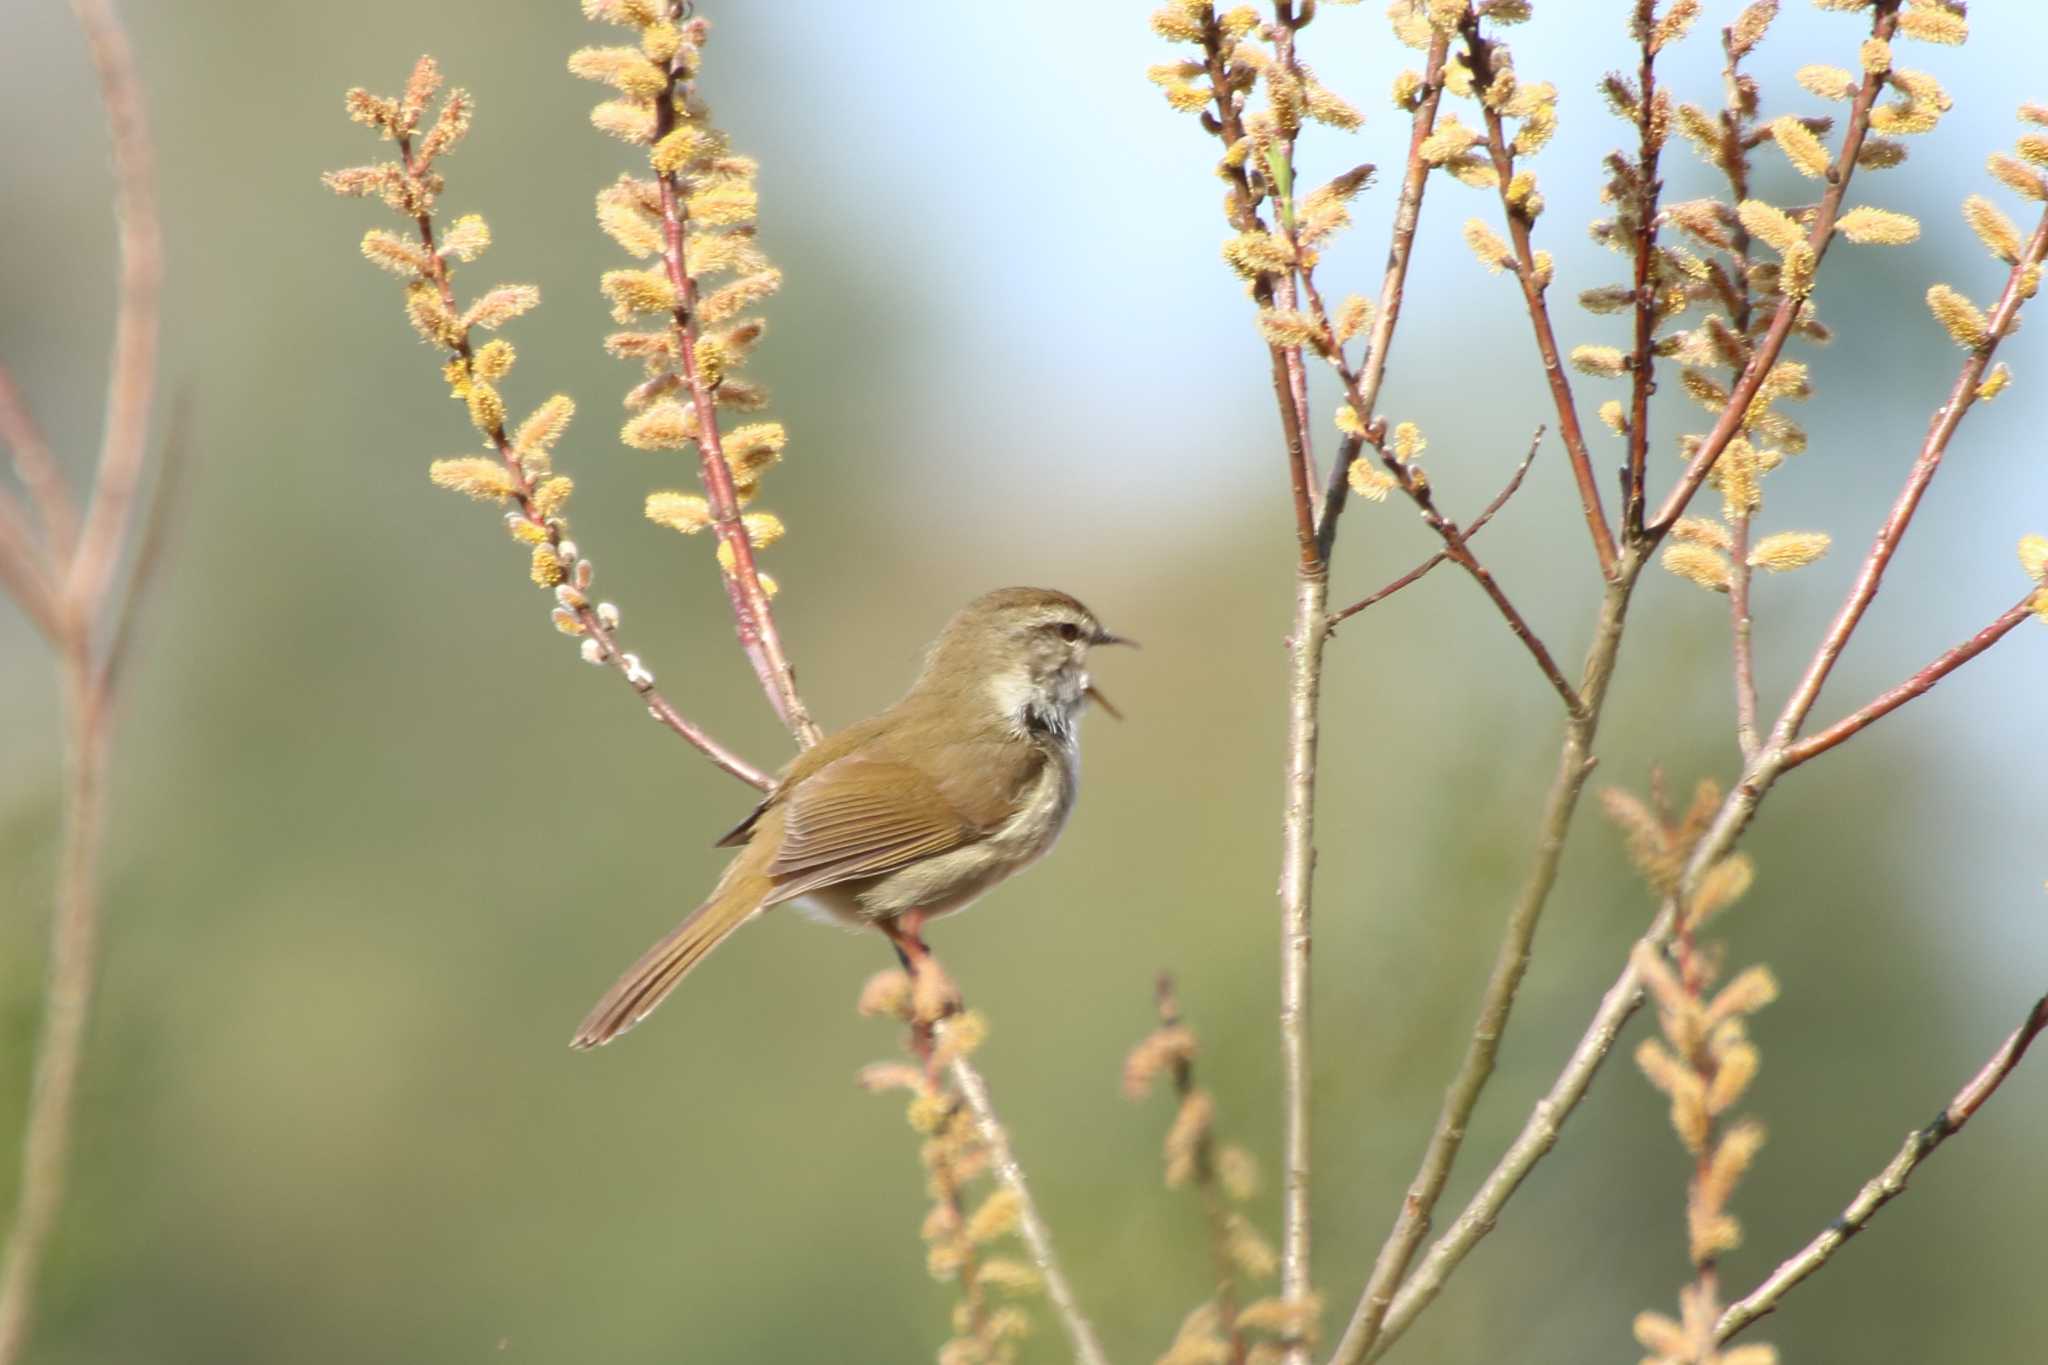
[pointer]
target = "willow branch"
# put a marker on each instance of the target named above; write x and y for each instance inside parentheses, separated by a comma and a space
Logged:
(1886, 703)
(132, 378)
(1765, 356)
(1393, 289)
(974, 1090)
(1479, 55)
(1500, 500)
(1382, 1312)
(1887, 1184)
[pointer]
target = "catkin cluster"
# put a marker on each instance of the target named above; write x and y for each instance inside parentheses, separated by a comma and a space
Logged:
(970, 1229)
(1235, 1323)
(690, 216)
(1703, 1061)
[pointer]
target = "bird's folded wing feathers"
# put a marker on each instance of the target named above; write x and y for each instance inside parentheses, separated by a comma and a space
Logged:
(862, 817)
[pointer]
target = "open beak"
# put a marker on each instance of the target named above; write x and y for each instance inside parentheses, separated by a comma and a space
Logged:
(1095, 696)
(1103, 637)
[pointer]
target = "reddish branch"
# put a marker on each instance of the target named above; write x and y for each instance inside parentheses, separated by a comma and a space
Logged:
(1500, 500)
(751, 613)
(1886, 703)
(1479, 57)
(1889, 1183)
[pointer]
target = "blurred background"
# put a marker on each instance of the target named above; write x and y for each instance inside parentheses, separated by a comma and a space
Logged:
(379, 839)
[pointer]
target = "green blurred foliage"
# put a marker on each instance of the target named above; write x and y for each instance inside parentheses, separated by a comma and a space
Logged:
(379, 838)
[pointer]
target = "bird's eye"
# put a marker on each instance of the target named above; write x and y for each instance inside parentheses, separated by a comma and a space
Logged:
(1069, 631)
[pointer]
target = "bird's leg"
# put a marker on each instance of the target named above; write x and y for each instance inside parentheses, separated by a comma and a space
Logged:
(933, 996)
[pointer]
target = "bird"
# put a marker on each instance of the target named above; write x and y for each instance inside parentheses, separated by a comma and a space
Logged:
(912, 813)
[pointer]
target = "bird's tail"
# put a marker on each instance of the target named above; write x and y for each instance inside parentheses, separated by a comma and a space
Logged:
(739, 898)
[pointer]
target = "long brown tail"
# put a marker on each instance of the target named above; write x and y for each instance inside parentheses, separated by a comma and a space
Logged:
(647, 982)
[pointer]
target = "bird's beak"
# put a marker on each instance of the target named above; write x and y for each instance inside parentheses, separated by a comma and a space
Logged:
(1095, 696)
(1103, 637)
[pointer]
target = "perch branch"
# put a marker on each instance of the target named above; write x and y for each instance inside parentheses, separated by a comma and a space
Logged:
(974, 1090)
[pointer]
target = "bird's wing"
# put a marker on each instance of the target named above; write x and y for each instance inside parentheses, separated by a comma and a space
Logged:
(862, 817)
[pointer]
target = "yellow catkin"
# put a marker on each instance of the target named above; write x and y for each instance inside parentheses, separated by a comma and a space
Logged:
(1828, 82)
(1604, 362)
(1800, 147)
(1698, 564)
(1492, 252)
(1878, 227)
(2033, 552)
(1789, 550)
(1772, 226)
(1998, 232)
(482, 477)
(1965, 323)
(685, 512)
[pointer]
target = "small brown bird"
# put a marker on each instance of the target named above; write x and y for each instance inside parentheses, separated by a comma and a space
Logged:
(916, 812)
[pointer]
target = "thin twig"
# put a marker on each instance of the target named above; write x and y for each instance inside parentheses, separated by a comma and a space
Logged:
(1419, 493)
(1382, 1312)
(1500, 500)
(1765, 356)
(1887, 1184)
(973, 1089)
(1890, 701)
(1479, 57)
(131, 383)
(38, 470)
